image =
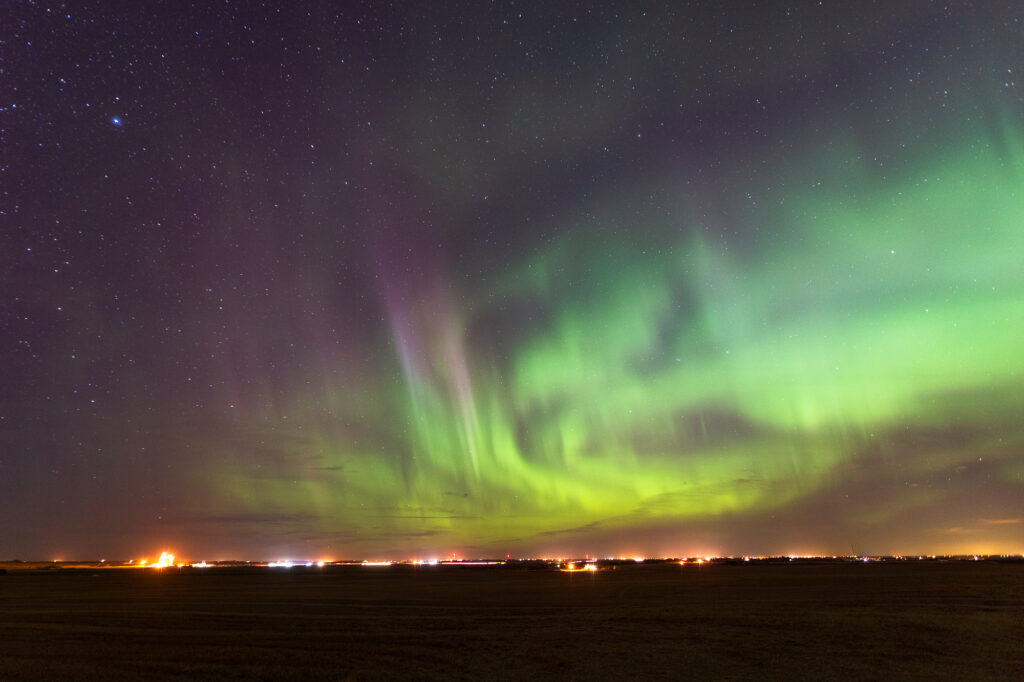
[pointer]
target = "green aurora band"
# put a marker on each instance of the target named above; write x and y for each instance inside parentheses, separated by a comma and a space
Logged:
(868, 340)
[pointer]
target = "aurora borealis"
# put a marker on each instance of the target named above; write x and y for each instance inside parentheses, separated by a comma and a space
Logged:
(346, 280)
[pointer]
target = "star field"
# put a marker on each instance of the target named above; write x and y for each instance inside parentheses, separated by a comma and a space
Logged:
(362, 279)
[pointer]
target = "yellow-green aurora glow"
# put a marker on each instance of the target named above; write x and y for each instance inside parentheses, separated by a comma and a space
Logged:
(856, 364)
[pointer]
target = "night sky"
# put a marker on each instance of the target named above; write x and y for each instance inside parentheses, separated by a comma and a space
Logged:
(398, 280)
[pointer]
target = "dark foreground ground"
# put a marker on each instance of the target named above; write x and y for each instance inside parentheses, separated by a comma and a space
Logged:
(960, 620)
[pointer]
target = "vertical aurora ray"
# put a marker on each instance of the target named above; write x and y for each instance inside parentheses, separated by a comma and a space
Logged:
(428, 338)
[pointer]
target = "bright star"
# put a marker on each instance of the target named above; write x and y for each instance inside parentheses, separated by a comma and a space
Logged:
(116, 120)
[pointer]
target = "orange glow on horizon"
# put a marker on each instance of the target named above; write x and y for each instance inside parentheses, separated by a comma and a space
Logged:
(166, 560)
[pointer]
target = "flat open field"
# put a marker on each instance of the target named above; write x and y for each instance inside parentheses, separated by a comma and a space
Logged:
(956, 620)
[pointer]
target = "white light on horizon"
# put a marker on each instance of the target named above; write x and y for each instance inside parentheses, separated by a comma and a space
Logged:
(165, 561)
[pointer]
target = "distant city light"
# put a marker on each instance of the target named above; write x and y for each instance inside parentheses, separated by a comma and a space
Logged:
(166, 560)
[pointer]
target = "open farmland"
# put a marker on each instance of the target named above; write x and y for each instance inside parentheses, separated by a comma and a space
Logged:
(944, 620)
